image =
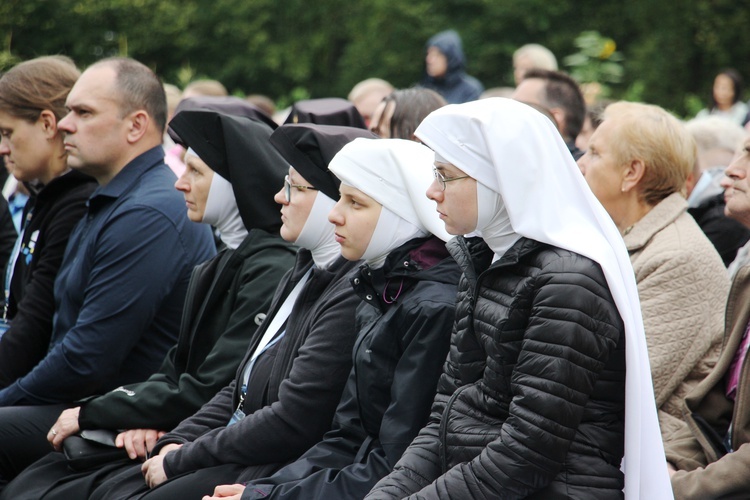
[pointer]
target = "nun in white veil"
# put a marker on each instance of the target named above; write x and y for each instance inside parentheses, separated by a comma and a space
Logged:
(408, 287)
(530, 199)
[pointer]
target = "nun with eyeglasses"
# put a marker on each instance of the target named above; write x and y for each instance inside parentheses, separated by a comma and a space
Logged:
(408, 287)
(547, 391)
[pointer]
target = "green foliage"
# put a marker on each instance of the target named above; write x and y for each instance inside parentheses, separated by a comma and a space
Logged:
(667, 51)
(596, 60)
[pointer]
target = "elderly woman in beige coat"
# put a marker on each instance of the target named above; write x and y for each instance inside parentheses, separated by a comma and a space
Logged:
(636, 165)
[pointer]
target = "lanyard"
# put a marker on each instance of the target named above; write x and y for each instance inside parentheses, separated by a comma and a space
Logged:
(273, 328)
(14, 256)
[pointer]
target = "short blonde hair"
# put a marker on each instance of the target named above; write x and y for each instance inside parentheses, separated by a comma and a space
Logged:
(540, 56)
(205, 87)
(369, 85)
(649, 133)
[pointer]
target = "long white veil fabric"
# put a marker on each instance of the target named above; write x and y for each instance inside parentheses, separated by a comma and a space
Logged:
(517, 152)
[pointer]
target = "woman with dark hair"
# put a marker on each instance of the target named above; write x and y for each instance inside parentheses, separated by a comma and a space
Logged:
(32, 102)
(726, 98)
(399, 114)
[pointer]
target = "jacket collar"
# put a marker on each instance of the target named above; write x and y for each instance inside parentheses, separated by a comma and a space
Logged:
(474, 256)
(416, 260)
(664, 213)
(128, 176)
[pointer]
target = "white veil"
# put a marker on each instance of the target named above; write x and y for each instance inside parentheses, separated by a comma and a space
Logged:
(516, 151)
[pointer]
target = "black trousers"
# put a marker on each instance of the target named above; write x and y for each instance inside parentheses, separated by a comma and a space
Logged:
(23, 437)
(50, 478)
(189, 486)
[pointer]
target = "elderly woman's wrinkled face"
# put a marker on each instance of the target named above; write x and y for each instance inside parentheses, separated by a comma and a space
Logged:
(736, 184)
(456, 197)
(195, 183)
(355, 217)
(601, 168)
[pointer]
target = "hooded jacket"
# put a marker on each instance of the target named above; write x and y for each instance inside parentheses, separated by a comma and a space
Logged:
(510, 384)
(57, 207)
(455, 86)
(403, 330)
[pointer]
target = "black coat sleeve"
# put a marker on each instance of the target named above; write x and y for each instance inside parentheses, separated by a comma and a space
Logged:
(572, 329)
(306, 402)
(322, 473)
(169, 396)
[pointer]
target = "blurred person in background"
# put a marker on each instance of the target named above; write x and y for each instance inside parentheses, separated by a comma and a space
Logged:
(367, 96)
(399, 114)
(562, 97)
(532, 56)
(445, 71)
(726, 98)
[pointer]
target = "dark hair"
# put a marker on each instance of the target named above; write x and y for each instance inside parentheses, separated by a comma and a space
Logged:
(561, 91)
(595, 112)
(411, 107)
(139, 88)
(737, 83)
(38, 84)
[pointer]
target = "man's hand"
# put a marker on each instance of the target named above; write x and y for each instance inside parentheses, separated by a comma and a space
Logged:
(138, 442)
(227, 492)
(66, 425)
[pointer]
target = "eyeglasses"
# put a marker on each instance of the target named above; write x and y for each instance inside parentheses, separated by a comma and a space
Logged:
(288, 188)
(442, 180)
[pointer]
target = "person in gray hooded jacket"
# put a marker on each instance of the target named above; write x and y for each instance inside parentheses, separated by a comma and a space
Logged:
(445, 69)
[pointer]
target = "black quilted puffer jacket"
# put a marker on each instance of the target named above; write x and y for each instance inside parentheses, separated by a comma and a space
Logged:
(531, 403)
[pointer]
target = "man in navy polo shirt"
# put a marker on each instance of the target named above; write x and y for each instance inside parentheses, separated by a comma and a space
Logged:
(120, 290)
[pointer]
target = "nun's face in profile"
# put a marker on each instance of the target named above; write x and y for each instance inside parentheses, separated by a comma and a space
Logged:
(195, 182)
(355, 217)
(457, 203)
(294, 212)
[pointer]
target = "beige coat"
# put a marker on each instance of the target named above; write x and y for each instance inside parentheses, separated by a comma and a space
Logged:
(683, 287)
(691, 447)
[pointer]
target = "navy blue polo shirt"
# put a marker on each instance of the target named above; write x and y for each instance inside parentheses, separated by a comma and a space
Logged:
(120, 290)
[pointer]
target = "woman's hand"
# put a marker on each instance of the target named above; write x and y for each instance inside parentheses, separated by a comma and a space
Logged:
(153, 468)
